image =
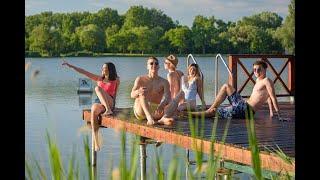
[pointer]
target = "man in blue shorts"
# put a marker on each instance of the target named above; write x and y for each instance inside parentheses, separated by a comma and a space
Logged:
(263, 91)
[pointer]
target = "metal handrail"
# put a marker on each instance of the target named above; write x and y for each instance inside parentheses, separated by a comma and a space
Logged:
(194, 61)
(216, 73)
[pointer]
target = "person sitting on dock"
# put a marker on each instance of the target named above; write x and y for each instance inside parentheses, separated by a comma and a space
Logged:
(106, 90)
(263, 91)
(151, 93)
(174, 75)
(191, 85)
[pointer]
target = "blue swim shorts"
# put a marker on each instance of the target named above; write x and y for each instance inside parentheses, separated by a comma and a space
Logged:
(236, 110)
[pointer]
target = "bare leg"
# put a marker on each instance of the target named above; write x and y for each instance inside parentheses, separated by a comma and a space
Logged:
(225, 90)
(105, 99)
(96, 109)
(172, 108)
(146, 109)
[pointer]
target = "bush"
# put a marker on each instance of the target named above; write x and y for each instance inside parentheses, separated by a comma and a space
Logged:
(32, 54)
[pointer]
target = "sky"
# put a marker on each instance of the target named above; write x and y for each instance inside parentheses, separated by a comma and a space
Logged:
(182, 11)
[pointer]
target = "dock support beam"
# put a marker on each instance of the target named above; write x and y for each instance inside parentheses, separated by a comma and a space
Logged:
(143, 157)
(94, 159)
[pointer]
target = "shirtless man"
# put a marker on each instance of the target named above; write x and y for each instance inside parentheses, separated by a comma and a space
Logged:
(263, 91)
(173, 76)
(151, 93)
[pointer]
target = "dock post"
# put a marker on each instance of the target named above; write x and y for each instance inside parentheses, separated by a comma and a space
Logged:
(187, 164)
(143, 157)
(94, 159)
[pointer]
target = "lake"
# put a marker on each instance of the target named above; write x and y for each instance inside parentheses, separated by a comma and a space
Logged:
(52, 104)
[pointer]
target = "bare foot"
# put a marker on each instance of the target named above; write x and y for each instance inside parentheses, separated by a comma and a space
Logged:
(166, 121)
(96, 147)
(107, 113)
(150, 121)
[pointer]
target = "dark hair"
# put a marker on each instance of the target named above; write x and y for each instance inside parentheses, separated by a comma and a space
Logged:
(112, 71)
(261, 63)
(196, 66)
(154, 58)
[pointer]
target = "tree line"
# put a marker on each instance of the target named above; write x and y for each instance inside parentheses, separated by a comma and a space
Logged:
(142, 30)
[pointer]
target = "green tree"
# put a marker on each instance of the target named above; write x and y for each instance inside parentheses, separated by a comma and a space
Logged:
(46, 40)
(91, 37)
(122, 41)
(180, 38)
(264, 20)
(203, 29)
(286, 33)
(110, 32)
(137, 16)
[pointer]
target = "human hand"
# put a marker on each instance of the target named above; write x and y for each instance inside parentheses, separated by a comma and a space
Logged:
(142, 91)
(159, 110)
(65, 63)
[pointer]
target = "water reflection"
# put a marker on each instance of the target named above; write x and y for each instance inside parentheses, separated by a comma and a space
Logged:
(85, 99)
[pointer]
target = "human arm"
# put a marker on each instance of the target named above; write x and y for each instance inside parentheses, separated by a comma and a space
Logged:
(137, 89)
(166, 97)
(200, 91)
(272, 96)
(270, 107)
(172, 85)
(82, 71)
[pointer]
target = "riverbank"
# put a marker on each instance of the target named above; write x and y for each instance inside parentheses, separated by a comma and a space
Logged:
(90, 54)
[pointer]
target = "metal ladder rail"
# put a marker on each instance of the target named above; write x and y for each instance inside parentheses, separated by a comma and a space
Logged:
(216, 83)
(194, 61)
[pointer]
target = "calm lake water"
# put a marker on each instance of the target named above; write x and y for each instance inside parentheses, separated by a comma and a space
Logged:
(52, 104)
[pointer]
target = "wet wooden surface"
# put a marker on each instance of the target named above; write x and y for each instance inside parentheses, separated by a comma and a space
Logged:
(270, 133)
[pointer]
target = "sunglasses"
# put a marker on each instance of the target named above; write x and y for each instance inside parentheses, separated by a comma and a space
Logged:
(155, 63)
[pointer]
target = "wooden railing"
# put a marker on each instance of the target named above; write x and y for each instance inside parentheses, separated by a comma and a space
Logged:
(234, 60)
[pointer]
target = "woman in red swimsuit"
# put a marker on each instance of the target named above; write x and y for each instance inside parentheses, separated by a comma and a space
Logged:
(106, 90)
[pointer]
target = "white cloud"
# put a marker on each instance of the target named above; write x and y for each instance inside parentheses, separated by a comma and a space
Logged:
(30, 5)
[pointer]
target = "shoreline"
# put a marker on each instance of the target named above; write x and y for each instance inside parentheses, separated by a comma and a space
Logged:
(123, 55)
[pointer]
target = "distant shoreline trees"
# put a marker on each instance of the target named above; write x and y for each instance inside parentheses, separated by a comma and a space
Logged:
(142, 30)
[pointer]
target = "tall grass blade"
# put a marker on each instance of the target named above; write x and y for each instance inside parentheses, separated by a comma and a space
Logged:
(87, 155)
(28, 169)
(123, 165)
(55, 159)
(253, 143)
(133, 159)
(71, 166)
(158, 163)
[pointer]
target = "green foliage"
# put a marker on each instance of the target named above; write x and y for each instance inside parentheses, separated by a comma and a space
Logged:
(143, 30)
(46, 40)
(91, 38)
(264, 20)
(180, 38)
(137, 16)
(286, 33)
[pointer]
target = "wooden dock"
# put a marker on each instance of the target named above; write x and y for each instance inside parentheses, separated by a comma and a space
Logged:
(269, 132)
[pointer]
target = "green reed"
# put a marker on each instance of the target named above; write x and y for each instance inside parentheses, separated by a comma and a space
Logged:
(253, 144)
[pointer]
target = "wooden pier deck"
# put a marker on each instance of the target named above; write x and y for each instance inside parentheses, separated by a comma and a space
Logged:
(269, 132)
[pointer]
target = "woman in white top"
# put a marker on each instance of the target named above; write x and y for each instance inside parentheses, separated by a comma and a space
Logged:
(191, 85)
